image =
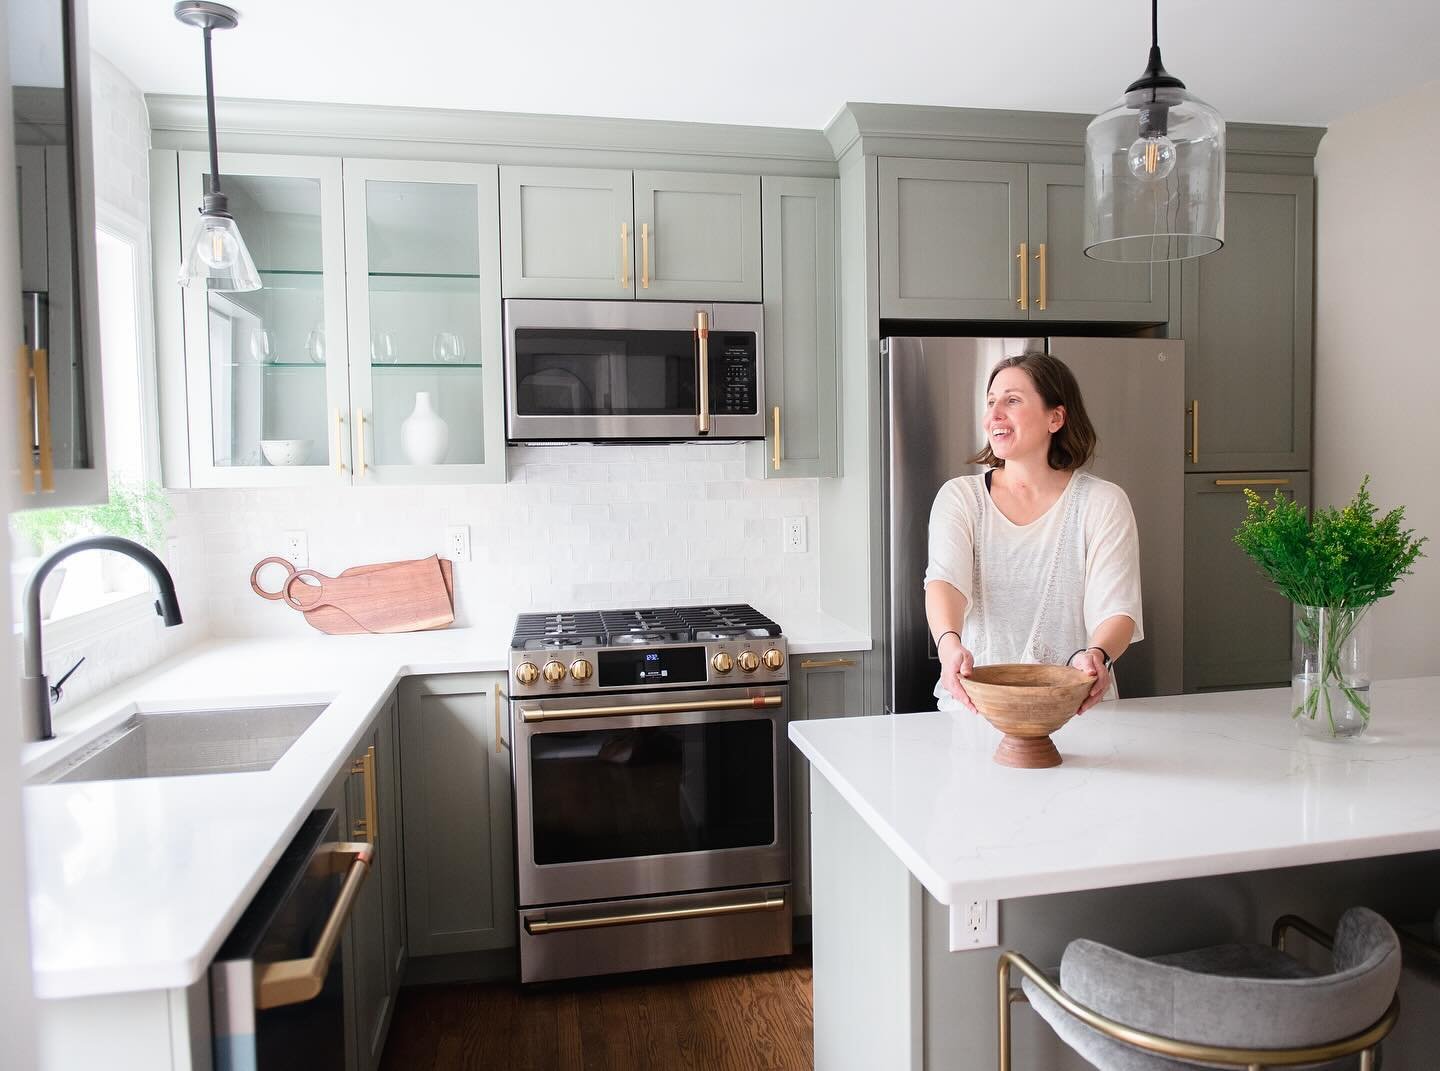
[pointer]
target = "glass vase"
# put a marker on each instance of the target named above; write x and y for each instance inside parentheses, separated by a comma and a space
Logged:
(1330, 671)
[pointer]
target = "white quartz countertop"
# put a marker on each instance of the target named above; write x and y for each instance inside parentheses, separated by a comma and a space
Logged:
(1150, 789)
(135, 884)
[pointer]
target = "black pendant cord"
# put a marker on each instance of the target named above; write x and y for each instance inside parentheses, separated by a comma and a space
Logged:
(210, 116)
(1154, 23)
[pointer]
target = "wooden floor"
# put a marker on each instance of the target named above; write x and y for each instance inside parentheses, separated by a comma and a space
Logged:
(754, 1017)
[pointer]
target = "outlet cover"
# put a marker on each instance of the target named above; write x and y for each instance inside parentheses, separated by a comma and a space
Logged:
(974, 924)
(297, 549)
(457, 542)
(794, 535)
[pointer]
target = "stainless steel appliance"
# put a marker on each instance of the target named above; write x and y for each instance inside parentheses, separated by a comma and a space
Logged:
(277, 996)
(582, 371)
(934, 391)
(651, 778)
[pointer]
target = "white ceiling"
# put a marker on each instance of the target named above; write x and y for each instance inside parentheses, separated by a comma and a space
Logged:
(786, 62)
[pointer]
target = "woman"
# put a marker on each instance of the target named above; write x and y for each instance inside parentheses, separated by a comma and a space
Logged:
(1032, 560)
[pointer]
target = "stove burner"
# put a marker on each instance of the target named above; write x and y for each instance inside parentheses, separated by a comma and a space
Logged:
(663, 624)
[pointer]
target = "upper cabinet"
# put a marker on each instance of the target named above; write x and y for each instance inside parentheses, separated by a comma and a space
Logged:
(1247, 320)
(974, 240)
(371, 354)
(660, 235)
(60, 418)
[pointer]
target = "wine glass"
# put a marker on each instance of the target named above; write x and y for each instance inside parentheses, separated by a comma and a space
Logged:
(262, 350)
(315, 344)
(449, 347)
(382, 348)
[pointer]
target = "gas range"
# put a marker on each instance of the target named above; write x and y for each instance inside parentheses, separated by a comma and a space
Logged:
(589, 652)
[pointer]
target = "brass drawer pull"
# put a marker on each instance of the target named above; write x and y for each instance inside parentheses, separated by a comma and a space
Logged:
(1022, 257)
(770, 903)
(1194, 414)
(339, 441)
(1269, 482)
(702, 333)
(758, 702)
(775, 447)
(24, 396)
(499, 733)
(645, 256)
(624, 256)
(42, 414)
(827, 663)
(367, 827)
(1041, 301)
(360, 467)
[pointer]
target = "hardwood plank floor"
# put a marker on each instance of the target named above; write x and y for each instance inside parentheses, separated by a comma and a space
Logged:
(725, 1017)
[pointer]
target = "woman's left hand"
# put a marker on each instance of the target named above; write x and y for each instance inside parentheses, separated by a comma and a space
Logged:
(1090, 662)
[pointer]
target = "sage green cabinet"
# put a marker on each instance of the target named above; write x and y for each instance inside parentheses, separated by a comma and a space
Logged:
(979, 240)
(1247, 316)
(459, 869)
(1237, 627)
(821, 686)
(802, 386)
(663, 235)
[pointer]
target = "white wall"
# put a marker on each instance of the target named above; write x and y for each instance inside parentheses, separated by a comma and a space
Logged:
(1377, 347)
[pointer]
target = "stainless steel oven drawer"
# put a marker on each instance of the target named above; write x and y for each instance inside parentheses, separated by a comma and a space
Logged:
(660, 931)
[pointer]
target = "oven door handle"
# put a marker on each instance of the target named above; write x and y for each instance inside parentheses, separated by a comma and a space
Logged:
(757, 702)
(774, 902)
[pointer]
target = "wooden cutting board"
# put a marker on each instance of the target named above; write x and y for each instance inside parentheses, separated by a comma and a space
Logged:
(398, 597)
(334, 620)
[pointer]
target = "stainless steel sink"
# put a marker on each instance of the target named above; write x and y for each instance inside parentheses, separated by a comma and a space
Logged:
(175, 743)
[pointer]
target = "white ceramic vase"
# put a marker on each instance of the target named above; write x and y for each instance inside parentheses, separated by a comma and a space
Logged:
(423, 434)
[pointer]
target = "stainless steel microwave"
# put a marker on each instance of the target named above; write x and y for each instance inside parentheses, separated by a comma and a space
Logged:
(586, 371)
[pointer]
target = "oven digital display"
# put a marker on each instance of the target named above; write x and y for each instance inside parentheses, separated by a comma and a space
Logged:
(669, 665)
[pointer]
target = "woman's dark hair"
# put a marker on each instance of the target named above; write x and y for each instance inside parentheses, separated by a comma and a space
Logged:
(1074, 443)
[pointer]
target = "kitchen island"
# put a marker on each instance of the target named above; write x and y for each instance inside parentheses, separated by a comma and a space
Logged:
(1174, 822)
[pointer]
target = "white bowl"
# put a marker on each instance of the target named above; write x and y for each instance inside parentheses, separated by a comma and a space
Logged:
(285, 451)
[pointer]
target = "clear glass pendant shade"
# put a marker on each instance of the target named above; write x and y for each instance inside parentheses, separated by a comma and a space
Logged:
(216, 257)
(1155, 178)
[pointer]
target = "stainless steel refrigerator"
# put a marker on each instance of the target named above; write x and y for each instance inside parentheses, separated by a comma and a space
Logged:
(934, 393)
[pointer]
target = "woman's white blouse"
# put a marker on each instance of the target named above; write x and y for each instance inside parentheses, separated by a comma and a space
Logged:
(1035, 592)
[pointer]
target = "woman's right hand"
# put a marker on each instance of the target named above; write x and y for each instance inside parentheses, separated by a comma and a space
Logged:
(956, 662)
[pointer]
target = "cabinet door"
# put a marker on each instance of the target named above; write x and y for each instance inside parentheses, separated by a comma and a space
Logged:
(822, 686)
(392, 860)
(265, 371)
(698, 235)
(1237, 627)
(1065, 284)
(459, 870)
(369, 968)
(1246, 319)
(567, 233)
(423, 279)
(950, 234)
(802, 387)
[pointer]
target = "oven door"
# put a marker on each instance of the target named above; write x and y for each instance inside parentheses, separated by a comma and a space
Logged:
(632, 370)
(643, 794)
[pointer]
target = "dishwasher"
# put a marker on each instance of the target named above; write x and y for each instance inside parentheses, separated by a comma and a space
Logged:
(277, 994)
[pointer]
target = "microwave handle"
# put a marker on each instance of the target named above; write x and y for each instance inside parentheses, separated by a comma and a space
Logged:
(702, 332)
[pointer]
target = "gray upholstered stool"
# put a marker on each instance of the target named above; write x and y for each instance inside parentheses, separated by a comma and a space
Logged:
(1232, 1006)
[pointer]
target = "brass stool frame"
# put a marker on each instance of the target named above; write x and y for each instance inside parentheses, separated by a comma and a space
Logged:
(1364, 1043)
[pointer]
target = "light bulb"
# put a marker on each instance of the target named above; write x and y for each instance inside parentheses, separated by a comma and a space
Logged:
(1151, 158)
(217, 247)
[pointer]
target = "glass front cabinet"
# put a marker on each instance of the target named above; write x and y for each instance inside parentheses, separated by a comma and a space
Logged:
(371, 354)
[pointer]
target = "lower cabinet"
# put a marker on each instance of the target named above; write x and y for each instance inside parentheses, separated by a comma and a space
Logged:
(821, 686)
(459, 869)
(1237, 627)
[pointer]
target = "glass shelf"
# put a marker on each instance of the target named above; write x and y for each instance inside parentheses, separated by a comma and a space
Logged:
(278, 366)
(422, 275)
(289, 271)
(457, 365)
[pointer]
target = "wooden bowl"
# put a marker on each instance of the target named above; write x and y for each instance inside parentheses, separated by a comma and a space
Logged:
(1027, 703)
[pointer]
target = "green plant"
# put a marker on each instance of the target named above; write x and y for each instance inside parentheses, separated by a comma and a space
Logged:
(138, 511)
(1343, 560)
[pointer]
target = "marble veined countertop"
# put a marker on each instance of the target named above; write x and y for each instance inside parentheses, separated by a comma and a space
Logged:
(1149, 790)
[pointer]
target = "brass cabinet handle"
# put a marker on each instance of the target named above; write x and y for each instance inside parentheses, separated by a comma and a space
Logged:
(645, 256)
(367, 827)
(41, 373)
(770, 903)
(339, 441)
(702, 332)
(1040, 256)
(624, 256)
(294, 981)
(826, 663)
(1253, 483)
(756, 702)
(25, 456)
(1194, 412)
(360, 467)
(1024, 297)
(775, 448)
(497, 719)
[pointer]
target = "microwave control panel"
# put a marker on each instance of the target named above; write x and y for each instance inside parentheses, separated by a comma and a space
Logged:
(732, 375)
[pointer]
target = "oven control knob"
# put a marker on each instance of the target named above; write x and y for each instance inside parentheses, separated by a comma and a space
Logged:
(581, 669)
(749, 661)
(774, 658)
(527, 673)
(723, 663)
(554, 672)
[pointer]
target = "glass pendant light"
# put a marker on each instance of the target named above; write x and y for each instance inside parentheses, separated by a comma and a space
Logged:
(1155, 171)
(215, 255)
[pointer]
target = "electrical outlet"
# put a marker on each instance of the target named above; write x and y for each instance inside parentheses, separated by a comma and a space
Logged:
(794, 535)
(297, 549)
(974, 924)
(457, 542)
